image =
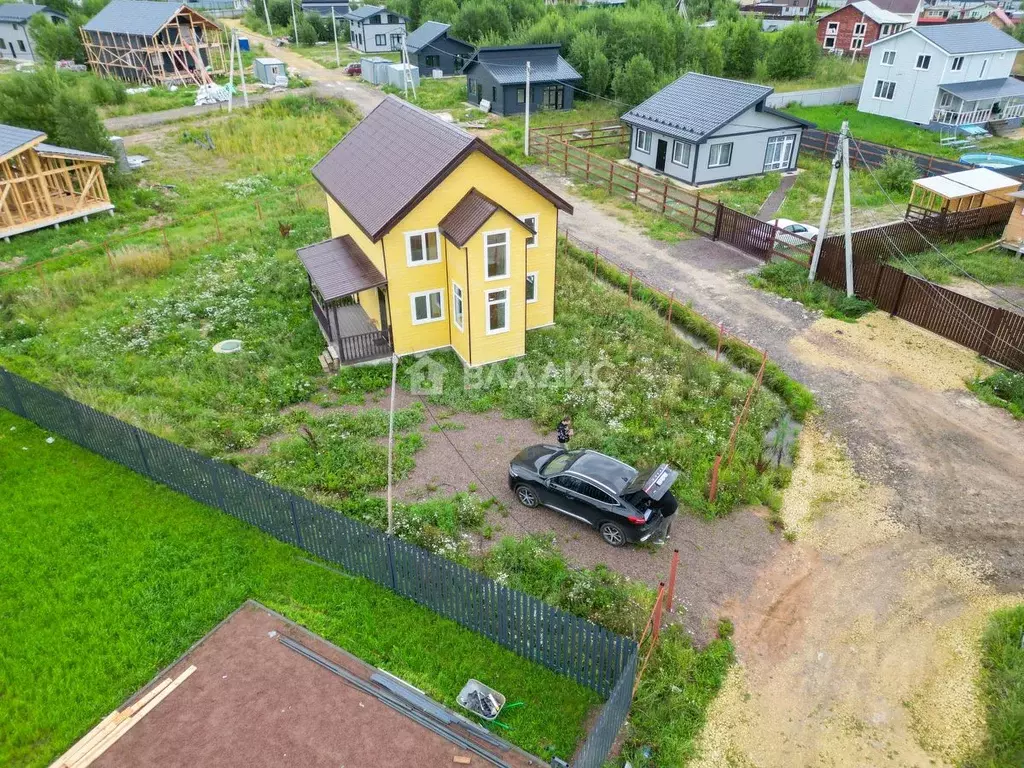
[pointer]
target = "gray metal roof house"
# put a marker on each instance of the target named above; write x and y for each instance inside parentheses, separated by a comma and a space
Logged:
(373, 29)
(702, 129)
(431, 48)
(15, 42)
(498, 75)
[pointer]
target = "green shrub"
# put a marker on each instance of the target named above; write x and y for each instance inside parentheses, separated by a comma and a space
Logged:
(1003, 389)
(790, 280)
(1002, 683)
(897, 173)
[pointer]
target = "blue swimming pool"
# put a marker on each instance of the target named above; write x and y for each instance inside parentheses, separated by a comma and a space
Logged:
(994, 162)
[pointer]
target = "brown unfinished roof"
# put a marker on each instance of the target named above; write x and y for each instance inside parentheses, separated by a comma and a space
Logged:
(388, 163)
(338, 268)
(469, 214)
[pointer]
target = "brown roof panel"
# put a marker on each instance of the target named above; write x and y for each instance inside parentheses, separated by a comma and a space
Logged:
(338, 267)
(469, 214)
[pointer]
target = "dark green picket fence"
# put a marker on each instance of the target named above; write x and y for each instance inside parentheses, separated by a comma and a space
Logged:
(579, 649)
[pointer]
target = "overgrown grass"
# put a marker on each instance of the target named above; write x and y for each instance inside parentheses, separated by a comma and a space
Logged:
(654, 225)
(790, 280)
(829, 72)
(107, 577)
(746, 195)
(992, 266)
(896, 133)
(1002, 683)
(1003, 389)
(434, 94)
(509, 138)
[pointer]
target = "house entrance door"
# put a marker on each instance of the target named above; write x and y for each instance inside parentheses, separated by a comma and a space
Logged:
(659, 161)
(383, 301)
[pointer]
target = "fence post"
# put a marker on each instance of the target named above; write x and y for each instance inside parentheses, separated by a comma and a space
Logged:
(664, 198)
(672, 579)
(713, 492)
(899, 295)
(656, 630)
(142, 451)
(391, 563)
(9, 381)
(295, 523)
(718, 220)
(696, 210)
(611, 177)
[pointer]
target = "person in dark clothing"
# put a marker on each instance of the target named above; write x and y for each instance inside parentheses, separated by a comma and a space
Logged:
(565, 432)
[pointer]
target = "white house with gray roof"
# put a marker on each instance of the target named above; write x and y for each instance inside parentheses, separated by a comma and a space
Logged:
(702, 129)
(944, 75)
(375, 29)
(15, 42)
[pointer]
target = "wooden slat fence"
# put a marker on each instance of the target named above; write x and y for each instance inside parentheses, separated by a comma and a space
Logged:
(993, 332)
(961, 225)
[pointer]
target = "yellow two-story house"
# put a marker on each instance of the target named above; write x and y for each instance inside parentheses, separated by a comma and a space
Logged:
(436, 241)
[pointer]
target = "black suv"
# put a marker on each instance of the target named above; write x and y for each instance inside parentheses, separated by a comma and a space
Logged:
(622, 503)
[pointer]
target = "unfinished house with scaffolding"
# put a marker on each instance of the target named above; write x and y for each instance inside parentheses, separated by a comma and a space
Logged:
(42, 185)
(155, 43)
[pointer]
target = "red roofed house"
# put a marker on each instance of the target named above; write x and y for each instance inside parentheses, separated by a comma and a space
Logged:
(853, 27)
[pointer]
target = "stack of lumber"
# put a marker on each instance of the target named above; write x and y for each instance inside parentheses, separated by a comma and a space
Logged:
(116, 724)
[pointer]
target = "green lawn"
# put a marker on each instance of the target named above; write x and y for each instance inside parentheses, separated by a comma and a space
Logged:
(1003, 389)
(435, 94)
(992, 266)
(1002, 684)
(107, 577)
(897, 133)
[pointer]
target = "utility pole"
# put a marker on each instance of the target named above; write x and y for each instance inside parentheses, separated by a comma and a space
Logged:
(295, 23)
(334, 26)
(847, 227)
(231, 72)
(526, 137)
(391, 443)
(826, 210)
(266, 13)
(241, 70)
(407, 71)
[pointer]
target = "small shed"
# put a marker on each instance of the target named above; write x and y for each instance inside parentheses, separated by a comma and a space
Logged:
(963, 191)
(1013, 234)
(375, 69)
(270, 71)
(396, 74)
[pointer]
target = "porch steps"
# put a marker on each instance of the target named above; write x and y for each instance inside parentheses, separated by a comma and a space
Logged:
(328, 362)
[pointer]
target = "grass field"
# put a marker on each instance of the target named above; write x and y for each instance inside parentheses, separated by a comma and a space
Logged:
(107, 577)
(435, 94)
(896, 133)
(1003, 389)
(830, 72)
(992, 266)
(1002, 684)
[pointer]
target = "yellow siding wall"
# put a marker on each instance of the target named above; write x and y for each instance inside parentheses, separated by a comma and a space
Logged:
(403, 279)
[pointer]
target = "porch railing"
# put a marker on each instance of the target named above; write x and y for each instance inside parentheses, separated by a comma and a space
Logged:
(954, 117)
(365, 346)
(1012, 111)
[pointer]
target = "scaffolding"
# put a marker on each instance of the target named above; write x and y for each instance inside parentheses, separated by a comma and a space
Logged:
(187, 50)
(42, 185)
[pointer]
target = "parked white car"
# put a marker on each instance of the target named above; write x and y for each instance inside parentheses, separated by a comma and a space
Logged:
(803, 232)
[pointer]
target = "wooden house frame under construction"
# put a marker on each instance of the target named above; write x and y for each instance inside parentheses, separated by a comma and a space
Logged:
(42, 185)
(158, 43)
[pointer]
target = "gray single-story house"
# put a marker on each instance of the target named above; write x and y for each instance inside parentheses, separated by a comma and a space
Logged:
(498, 75)
(431, 48)
(15, 42)
(702, 129)
(373, 29)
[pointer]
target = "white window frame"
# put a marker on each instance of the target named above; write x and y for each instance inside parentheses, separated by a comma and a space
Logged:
(830, 43)
(832, 28)
(784, 139)
(891, 56)
(689, 153)
(956, 64)
(643, 141)
(880, 88)
(945, 99)
(885, 31)
(531, 242)
(376, 39)
(712, 150)
(427, 294)
(508, 253)
(458, 305)
(926, 58)
(422, 233)
(488, 301)
(857, 44)
(860, 29)
(984, 66)
(534, 276)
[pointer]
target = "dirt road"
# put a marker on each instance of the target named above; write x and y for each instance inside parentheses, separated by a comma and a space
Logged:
(857, 644)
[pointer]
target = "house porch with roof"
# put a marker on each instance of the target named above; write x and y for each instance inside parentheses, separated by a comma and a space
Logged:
(43, 185)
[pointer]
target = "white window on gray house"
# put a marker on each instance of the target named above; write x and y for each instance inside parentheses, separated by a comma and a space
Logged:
(984, 66)
(859, 30)
(380, 39)
(779, 153)
(888, 58)
(923, 61)
(946, 100)
(720, 155)
(643, 140)
(681, 153)
(21, 46)
(957, 63)
(884, 89)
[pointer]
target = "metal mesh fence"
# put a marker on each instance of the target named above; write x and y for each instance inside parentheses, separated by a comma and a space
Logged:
(579, 649)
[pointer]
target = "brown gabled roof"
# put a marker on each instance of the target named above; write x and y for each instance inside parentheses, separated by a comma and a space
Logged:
(338, 267)
(394, 158)
(469, 214)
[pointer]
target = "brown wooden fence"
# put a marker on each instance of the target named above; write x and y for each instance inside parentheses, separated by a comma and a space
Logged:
(993, 332)
(824, 143)
(961, 225)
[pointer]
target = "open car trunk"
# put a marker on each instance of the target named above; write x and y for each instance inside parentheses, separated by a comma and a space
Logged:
(649, 490)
